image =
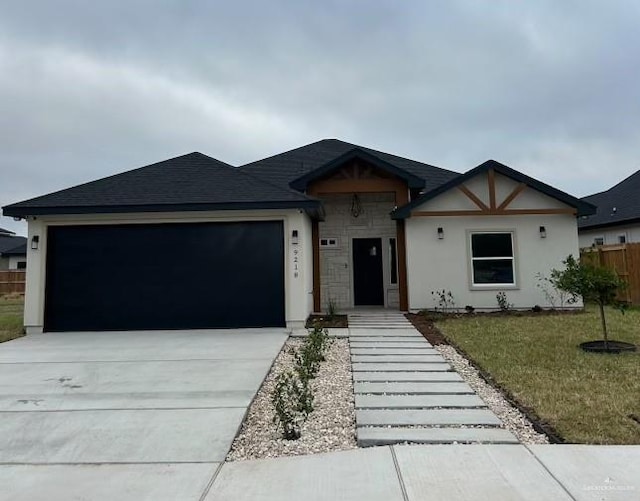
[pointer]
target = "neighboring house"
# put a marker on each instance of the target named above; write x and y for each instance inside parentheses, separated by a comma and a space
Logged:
(13, 251)
(617, 218)
(192, 242)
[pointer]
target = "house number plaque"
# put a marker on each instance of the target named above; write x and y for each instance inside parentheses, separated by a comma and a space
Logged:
(296, 260)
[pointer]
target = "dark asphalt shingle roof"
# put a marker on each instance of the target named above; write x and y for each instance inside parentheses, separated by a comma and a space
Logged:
(189, 182)
(6, 232)
(624, 197)
(10, 244)
(20, 250)
(290, 165)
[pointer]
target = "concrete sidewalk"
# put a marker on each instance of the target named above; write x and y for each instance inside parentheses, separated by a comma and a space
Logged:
(439, 472)
(389, 473)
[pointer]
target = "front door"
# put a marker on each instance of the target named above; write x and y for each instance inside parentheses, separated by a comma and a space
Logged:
(368, 284)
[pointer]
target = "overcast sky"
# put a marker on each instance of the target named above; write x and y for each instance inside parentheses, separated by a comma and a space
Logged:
(88, 89)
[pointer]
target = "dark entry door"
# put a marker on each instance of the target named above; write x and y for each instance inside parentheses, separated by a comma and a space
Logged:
(368, 285)
(165, 276)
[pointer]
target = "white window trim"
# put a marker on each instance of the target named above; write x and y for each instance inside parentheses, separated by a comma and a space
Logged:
(329, 245)
(509, 286)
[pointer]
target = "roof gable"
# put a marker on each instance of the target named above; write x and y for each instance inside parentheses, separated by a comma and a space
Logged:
(291, 165)
(188, 182)
(302, 182)
(492, 165)
(620, 204)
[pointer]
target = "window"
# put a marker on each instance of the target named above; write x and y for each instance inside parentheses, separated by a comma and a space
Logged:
(328, 242)
(622, 239)
(492, 259)
(393, 260)
(598, 241)
(21, 265)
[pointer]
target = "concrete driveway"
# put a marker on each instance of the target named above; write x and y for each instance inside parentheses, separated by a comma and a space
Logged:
(144, 415)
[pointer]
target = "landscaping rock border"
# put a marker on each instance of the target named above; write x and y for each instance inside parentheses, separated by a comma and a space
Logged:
(514, 420)
(330, 427)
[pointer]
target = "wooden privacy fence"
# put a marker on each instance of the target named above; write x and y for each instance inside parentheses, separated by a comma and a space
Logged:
(12, 281)
(624, 259)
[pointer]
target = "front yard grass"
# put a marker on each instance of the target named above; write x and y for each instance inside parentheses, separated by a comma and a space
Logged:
(585, 397)
(11, 308)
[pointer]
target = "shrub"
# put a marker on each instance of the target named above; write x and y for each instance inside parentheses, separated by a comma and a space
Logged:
(444, 300)
(293, 402)
(503, 302)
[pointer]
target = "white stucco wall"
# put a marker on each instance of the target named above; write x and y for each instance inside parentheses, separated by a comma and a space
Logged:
(14, 260)
(298, 288)
(435, 264)
(610, 235)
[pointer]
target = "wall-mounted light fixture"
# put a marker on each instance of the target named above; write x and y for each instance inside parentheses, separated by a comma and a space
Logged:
(440, 233)
(543, 232)
(294, 237)
(356, 206)
(35, 241)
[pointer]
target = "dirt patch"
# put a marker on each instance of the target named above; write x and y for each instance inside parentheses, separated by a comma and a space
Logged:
(427, 328)
(327, 322)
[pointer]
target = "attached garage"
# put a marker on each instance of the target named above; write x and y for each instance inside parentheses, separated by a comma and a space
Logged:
(165, 276)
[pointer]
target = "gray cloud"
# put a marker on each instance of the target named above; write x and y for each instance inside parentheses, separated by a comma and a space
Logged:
(88, 89)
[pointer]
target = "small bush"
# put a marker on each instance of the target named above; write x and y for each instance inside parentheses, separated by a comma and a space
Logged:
(444, 300)
(319, 340)
(332, 308)
(503, 302)
(293, 402)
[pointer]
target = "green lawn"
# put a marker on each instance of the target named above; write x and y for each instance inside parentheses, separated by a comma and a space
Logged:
(11, 308)
(586, 397)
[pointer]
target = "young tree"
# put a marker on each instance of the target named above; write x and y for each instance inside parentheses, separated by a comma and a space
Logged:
(592, 283)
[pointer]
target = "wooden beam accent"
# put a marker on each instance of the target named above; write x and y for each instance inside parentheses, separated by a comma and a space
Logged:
(355, 186)
(473, 197)
(315, 237)
(422, 213)
(491, 176)
(496, 212)
(403, 292)
(516, 191)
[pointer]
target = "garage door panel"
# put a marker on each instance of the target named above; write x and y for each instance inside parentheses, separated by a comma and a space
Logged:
(165, 276)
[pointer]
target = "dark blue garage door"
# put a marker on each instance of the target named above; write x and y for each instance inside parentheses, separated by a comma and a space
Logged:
(165, 276)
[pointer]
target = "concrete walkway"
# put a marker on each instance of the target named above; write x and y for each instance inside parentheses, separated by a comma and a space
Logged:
(439, 473)
(405, 391)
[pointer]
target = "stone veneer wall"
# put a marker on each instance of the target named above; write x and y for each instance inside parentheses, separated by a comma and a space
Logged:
(336, 263)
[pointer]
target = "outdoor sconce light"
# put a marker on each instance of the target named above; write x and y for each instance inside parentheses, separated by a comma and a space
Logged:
(35, 240)
(294, 237)
(543, 232)
(356, 206)
(440, 233)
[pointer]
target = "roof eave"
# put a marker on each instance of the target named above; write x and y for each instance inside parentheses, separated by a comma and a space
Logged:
(601, 224)
(24, 211)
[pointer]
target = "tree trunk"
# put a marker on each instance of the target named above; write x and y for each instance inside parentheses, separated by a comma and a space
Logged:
(604, 325)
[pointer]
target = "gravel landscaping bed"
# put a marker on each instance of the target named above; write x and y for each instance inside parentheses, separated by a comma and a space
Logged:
(514, 420)
(331, 425)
